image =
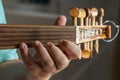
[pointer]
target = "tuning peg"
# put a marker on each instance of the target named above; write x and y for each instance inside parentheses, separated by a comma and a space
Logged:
(86, 51)
(96, 45)
(94, 14)
(81, 16)
(74, 12)
(88, 14)
(89, 23)
(101, 14)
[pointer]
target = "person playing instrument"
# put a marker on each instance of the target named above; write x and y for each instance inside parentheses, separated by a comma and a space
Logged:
(49, 58)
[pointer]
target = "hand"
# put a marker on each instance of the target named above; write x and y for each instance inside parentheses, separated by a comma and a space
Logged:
(50, 58)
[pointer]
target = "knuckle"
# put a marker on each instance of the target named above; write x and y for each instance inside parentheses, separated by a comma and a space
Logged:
(78, 52)
(62, 64)
(49, 67)
(63, 43)
(66, 43)
(50, 64)
(77, 55)
(75, 52)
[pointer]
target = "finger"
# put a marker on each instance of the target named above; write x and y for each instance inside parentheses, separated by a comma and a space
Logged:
(61, 20)
(71, 50)
(58, 56)
(25, 54)
(46, 61)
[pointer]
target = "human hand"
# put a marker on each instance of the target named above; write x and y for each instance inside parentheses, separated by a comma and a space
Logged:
(50, 58)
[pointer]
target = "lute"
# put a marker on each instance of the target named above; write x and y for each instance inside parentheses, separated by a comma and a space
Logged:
(12, 35)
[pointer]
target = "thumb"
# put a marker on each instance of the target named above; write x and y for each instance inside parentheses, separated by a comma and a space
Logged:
(61, 20)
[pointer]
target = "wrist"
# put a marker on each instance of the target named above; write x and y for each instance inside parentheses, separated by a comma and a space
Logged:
(37, 78)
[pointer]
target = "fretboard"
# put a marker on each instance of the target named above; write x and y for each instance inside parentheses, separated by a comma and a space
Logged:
(12, 35)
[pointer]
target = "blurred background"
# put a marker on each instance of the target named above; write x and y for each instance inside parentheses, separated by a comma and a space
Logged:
(103, 66)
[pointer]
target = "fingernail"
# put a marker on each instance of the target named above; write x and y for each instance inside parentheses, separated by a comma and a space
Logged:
(22, 46)
(37, 42)
(61, 41)
(48, 43)
(79, 57)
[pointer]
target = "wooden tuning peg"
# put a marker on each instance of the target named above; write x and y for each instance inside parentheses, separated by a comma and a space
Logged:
(101, 15)
(74, 12)
(94, 14)
(81, 16)
(88, 14)
(86, 50)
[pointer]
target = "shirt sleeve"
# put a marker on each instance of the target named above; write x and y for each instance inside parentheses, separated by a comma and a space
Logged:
(8, 54)
(2, 15)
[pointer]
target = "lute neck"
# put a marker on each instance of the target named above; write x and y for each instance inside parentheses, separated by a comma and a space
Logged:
(12, 35)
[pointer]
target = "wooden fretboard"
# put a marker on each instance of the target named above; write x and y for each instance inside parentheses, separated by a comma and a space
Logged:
(12, 35)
